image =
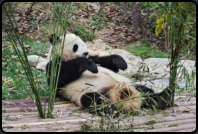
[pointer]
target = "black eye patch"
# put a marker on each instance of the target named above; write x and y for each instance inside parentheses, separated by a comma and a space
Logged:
(75, 48)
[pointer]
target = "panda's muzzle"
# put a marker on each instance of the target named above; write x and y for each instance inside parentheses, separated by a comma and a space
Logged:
(86, 54)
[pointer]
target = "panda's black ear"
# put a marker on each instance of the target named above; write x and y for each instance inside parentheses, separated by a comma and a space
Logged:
(53, 39)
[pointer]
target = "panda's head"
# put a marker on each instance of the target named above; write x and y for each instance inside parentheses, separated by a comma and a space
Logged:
(74, 47)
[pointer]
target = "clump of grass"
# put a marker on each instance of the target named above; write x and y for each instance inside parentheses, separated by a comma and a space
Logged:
(173, 125)
(146, 50)
(150, 122)
(84, 33)
(12, 69)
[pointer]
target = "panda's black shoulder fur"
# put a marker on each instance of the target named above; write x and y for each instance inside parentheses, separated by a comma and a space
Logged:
(70, 70)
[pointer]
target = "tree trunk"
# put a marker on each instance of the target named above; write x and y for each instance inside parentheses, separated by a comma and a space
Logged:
(136, 17)
(124, 9)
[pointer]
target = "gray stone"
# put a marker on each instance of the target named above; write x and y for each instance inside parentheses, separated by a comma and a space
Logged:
(96, 6)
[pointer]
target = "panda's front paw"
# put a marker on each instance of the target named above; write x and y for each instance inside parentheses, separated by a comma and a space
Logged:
(119, 62)
(92, 67)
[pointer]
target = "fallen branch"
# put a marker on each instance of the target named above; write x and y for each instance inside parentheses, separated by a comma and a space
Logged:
(30, 8)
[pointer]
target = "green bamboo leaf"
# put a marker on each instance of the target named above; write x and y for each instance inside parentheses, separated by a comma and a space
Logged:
(175, 33)
(89, 84)
(153, 100)
(167, 17)
(182, 18)
(165, 7)
(163, 99)
(175, 18)
(188, 37)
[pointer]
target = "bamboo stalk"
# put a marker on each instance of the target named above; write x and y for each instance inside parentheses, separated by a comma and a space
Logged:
(25, 63)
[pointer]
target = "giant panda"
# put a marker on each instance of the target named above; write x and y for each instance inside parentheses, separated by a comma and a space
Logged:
(89, 80)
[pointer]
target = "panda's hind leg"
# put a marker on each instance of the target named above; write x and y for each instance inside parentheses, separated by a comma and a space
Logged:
(157, 100)
(143, 89)
(96, 102)
(91, 98)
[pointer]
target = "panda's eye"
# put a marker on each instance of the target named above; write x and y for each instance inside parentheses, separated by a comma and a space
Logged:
(75, 48)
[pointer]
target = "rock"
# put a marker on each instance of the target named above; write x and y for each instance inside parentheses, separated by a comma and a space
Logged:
(38, 42)
(41, 63)
(95, 5)
(158, 66)
(112, 25)
(98, 47)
